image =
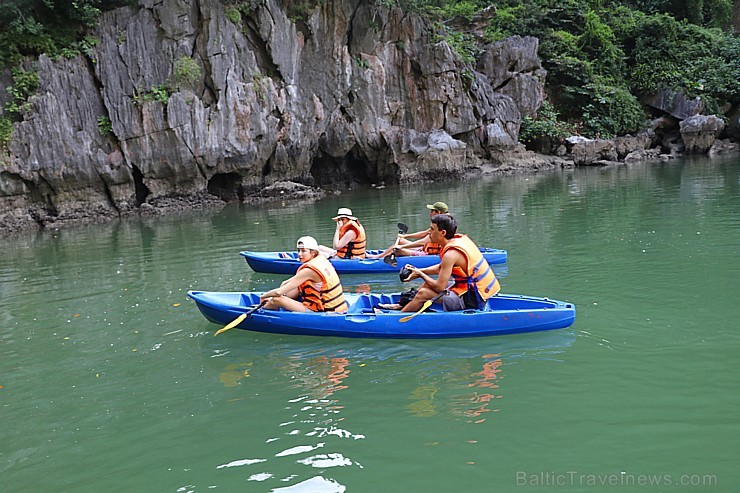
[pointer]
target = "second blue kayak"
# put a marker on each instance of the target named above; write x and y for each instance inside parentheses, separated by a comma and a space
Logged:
(288, 263)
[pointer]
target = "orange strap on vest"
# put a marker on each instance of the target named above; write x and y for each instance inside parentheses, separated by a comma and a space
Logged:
(479, 275)
(432, 248)
(356, 247)
(326, 296)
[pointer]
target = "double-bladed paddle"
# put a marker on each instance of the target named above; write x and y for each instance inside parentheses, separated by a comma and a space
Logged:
(391, 259)
(241, 317)
(426, 305)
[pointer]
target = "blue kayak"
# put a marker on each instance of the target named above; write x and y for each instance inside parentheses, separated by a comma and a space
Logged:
(287, 262)
(503, 314)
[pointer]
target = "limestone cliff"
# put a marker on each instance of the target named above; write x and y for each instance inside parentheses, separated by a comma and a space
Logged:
(346, 92)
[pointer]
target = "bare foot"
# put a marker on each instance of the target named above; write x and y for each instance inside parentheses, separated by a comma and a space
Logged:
(389, 306)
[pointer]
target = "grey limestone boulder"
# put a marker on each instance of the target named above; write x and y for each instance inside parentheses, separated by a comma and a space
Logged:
(674, 103)
(699, 132)
(514, 69)
(587, 151)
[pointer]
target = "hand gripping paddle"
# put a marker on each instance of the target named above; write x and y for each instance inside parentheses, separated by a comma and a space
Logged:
(391, 259)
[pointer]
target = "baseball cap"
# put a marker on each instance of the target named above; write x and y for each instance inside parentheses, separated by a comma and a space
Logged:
(308, 242)
(438, 206)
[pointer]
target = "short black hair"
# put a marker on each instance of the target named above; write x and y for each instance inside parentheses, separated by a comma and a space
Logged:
(447, 223)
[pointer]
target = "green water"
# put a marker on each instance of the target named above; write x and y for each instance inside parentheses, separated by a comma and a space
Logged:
(112, 380)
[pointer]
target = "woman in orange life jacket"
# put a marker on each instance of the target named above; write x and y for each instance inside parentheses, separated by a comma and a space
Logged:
(473, 280)
(349, 236)
(423, 246)
(315, 286)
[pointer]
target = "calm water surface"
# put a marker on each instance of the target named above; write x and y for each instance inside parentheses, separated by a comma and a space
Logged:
(111, 380)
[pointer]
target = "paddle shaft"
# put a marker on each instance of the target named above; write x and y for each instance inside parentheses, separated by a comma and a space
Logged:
(402, 229)
(241, 317)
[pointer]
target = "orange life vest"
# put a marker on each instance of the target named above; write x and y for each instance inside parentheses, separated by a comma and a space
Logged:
(479, 275)
(431, 248)
(324, 296)
(356, 247)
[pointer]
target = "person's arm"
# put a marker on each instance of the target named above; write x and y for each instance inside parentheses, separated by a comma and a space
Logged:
(345, 239)
(417, 243)
(418, 234)
(336, 234)
(291, 284)
(443, 270)
(417, 273)
(326, 251)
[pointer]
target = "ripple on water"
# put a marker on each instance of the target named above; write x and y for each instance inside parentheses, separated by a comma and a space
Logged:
(317, 484)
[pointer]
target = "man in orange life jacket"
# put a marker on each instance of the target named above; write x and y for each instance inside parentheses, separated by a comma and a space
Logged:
(422, 246)
(473, 280)
(316, 284)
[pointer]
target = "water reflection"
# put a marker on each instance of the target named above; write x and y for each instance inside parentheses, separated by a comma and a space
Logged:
(232, 374)
(324, 384)
(485, 386)
(310, 437)
(320, 376)
(432, 398)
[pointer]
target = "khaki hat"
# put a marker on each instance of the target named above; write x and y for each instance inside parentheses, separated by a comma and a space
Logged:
(439, 207)
(344, 212)
(308, 242)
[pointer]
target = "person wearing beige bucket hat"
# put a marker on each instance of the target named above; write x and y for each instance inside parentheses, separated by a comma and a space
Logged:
(349, 236)
(344, 212)
(315, 286)
(414, 244)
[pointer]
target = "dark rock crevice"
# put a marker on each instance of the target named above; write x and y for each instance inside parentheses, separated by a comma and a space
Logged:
(266, 169)
(350, 170)
(47, 183)
(208, 94)
(109, 196)
(140, 189)
(227, 187)
(261, 51)
(109, 140)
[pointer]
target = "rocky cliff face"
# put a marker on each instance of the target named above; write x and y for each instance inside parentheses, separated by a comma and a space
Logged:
(346, 92)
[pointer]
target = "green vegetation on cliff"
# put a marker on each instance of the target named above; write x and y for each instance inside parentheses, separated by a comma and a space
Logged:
(54, 27)
(29, 28)
(602, 55)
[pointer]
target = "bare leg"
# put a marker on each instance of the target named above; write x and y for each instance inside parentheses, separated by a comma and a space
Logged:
(388, 250)
(404, 252)
(425, 293)
(287, 303)
(326, 251)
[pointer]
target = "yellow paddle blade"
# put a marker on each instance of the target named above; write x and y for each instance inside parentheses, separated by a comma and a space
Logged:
(426, 305)
(233, 324)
